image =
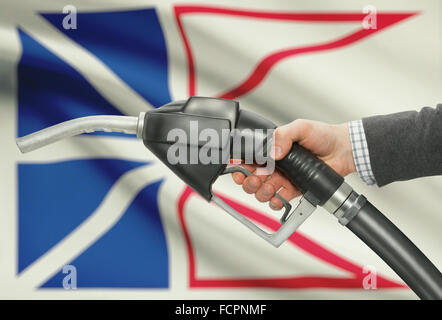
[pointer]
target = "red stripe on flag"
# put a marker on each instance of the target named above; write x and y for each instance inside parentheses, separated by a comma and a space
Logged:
(354, 280)
(384, 20)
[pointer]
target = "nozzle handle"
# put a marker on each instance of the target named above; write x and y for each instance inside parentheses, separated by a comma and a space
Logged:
(313, 177)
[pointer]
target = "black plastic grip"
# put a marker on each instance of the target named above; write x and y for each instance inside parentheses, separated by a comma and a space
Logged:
(312, 176)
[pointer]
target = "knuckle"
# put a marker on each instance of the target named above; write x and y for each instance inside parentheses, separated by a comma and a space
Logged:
(303, 124)
(259, 197)
(275, 204)
(251, 185)
(268, 189)
(238, 177)
(247, 190)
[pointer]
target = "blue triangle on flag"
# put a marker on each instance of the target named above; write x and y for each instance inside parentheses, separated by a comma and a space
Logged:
(50, 91)
(133, 254)
(131, 43)
(55, 198)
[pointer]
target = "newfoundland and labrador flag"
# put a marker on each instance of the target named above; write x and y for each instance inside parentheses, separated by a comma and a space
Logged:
(97, 216)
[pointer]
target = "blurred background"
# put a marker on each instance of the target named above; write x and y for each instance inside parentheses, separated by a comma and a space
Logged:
(97, 216)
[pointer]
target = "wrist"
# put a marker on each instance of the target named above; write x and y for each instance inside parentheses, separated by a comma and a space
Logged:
(345, 146)
(361, 154)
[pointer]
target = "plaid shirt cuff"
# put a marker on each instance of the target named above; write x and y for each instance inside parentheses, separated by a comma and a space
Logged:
(361, 156)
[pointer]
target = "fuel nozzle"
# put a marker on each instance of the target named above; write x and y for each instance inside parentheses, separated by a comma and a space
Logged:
(192, 117)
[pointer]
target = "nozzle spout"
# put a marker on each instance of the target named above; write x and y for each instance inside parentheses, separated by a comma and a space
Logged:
(125, 124)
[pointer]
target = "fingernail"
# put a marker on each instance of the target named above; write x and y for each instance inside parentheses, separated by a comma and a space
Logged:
(273, 151)
(278, 151)
(273, 206)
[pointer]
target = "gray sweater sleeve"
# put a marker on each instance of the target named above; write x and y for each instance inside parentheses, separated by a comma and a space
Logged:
(405, 145)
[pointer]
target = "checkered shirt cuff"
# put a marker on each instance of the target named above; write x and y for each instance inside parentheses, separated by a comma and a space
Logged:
(361, 156)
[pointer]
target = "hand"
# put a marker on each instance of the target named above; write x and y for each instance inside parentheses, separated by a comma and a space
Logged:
(331, 143)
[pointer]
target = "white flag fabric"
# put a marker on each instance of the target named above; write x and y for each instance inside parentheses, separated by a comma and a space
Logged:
(98, 216)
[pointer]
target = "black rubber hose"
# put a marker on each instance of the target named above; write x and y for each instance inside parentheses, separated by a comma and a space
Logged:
(313, 177)
(384, 238)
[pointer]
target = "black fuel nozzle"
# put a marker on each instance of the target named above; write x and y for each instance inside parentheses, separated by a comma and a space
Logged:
(197, 138)
(174, 133)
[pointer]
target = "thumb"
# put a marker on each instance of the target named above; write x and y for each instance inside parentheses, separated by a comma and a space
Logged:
(281, 144)
(285, 136)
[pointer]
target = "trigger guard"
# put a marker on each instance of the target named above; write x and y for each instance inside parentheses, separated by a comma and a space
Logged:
(247, 173)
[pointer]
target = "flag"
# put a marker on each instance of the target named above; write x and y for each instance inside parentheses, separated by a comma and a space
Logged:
(98, 216)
